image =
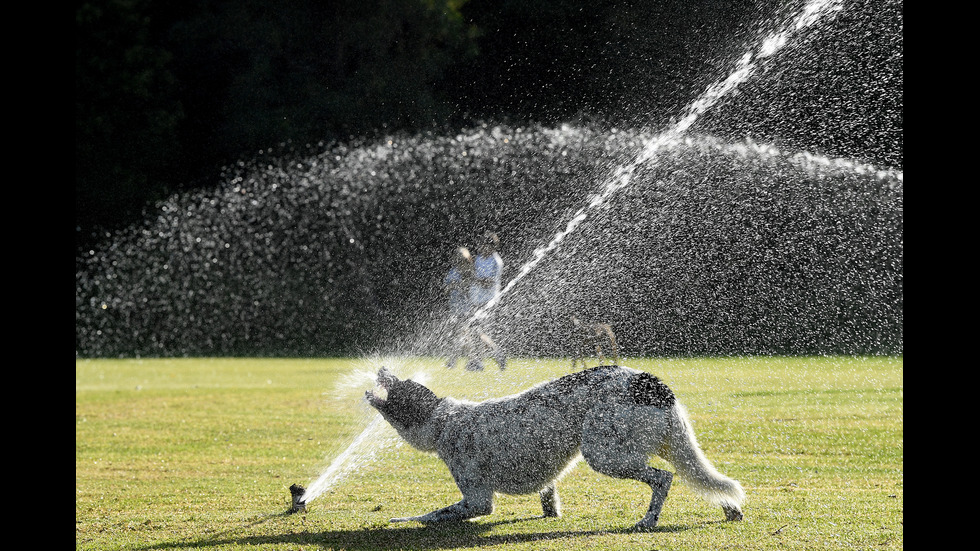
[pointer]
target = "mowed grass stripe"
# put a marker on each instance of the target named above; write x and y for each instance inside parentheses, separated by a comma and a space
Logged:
(198, 453)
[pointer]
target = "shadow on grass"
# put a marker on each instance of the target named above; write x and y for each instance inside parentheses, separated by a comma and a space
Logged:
(457, 535)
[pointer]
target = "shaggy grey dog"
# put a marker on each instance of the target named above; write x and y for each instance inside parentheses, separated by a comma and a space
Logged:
(615, 417)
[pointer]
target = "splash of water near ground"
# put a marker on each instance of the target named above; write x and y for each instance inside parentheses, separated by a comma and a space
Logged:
(364, 448)
(376, 437)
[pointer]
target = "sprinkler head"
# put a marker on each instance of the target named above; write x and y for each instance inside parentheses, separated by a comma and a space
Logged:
(298, 506)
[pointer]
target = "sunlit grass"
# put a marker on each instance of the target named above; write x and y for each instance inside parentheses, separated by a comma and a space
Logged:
(199, 454)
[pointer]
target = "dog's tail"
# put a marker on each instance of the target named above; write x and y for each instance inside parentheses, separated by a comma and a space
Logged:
(684, 453)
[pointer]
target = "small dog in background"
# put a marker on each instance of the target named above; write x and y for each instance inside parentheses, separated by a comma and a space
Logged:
(586, 337)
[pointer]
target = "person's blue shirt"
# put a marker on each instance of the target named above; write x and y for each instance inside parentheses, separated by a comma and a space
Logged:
(488, 271)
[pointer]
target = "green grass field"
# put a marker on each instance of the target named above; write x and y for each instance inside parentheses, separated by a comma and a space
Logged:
(199, 454)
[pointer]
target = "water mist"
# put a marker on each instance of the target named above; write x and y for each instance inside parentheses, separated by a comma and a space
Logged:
(366, 445)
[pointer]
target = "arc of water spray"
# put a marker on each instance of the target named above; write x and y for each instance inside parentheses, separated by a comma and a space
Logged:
(346, 461)
(812, 12)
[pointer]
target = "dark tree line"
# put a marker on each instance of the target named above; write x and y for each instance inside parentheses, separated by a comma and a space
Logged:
(169, 91)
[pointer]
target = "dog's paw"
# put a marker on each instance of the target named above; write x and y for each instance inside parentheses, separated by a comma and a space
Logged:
(733, 513)
(647, 523)
(645, 526)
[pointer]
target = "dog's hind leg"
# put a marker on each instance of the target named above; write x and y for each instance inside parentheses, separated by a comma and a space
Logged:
(550, 503)
(659, 481)
(612, 342)
(610, 447)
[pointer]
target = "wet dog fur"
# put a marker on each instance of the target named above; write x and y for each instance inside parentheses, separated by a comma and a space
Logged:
(614, 417)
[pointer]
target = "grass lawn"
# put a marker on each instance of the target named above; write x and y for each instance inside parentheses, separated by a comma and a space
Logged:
(199, 454)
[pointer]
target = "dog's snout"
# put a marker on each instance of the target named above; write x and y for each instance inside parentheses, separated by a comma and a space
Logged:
(386, 378)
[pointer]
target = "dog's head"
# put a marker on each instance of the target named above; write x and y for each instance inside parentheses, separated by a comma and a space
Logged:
(405, 404)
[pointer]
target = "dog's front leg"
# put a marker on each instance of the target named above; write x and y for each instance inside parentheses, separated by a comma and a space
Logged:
(455, 512)
(471, 506)
(550, 503)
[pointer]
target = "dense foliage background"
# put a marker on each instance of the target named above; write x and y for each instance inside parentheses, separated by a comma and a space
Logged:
(168, 92)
